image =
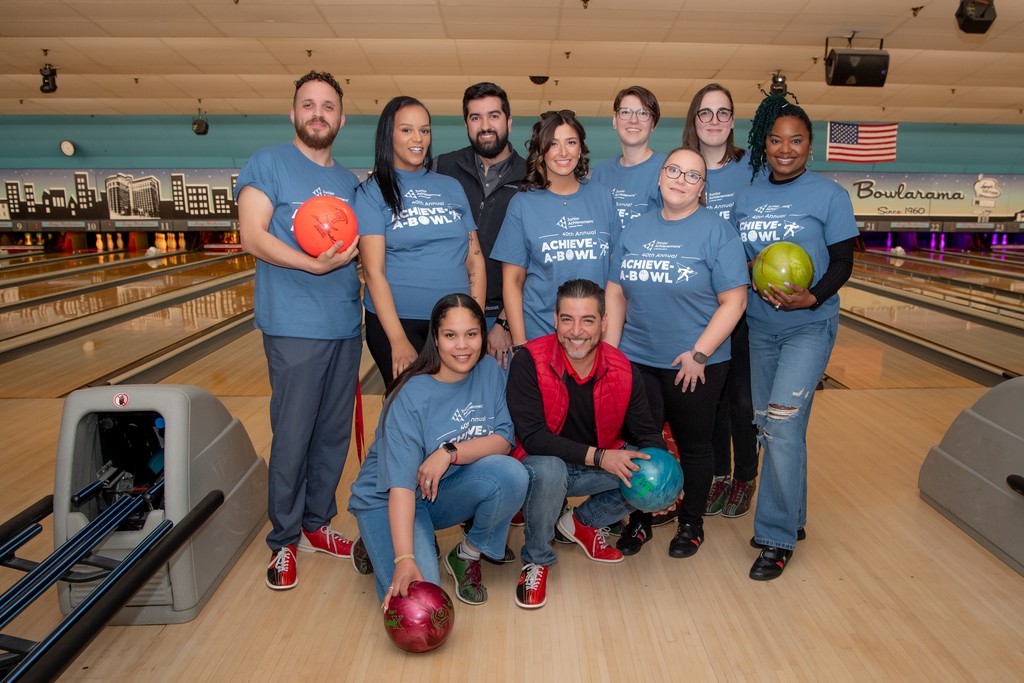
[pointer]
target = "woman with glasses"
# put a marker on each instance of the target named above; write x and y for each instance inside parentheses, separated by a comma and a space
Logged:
(417, 238)
(677, 288)
(709, 130)
(559, 227)
(633, 175)
(791, 335)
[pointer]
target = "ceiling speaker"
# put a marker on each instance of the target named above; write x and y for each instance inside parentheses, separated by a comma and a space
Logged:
(865, 68)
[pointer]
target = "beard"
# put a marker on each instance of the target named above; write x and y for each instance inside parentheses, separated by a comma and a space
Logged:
(489, 151)
(578, 352)
(312, 140)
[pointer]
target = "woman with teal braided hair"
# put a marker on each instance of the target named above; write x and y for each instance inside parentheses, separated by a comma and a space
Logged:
(791, 334)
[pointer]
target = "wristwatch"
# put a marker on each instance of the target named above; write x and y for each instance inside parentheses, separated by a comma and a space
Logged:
(451, 450)
(501, 322)
(699, 357)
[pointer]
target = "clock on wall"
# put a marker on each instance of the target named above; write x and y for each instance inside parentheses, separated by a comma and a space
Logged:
(67, 148)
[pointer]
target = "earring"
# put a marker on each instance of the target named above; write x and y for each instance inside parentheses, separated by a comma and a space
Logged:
(810, 160)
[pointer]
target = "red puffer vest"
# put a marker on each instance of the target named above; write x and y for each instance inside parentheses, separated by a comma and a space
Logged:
(612, 389)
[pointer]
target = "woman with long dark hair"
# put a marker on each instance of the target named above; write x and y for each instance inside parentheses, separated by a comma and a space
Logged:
(791, 334)
(677, 288)
(559, 227)
(417, 238)
(709, 130)
(440, 457)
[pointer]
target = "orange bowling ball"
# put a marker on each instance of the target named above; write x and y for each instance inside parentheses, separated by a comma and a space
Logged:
(322, 221)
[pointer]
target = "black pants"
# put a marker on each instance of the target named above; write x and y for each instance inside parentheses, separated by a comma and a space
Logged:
(691, 417)
(380, 348)
(735, 416)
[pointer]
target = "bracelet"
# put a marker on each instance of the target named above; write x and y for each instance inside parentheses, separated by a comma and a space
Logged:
(598, 454)
(517, 347)
(503, 323)
(407, 556)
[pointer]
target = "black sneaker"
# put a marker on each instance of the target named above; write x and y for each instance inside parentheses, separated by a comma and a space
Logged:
(633, 537)
(687, 540)
(770, 563)
(800, 535)
(508, 558)
(668, 517)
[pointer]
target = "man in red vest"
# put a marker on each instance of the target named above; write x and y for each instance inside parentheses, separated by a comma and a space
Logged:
(572, 399)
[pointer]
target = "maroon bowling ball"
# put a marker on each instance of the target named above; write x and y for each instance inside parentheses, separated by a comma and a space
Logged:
(422, 621)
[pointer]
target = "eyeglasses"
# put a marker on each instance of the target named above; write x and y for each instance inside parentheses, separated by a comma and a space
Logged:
(625, 113)
(723, 115)
(564, 113)
(691, 177)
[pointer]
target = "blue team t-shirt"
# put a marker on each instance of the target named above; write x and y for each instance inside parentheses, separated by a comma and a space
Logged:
(812, 211)
(423, 415)
(557, 238)
(671, 273)
(290, 302)
(425, 247)
(634, 188)
(724, 184)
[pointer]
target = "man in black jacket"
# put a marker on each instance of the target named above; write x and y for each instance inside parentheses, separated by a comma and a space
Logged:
(490, 172)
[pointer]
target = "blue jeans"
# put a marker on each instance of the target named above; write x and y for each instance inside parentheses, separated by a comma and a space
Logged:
(490, 491)
(551, 481)
(784, 373)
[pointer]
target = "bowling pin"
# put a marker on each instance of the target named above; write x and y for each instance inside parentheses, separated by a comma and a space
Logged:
(120, 241)
(171, 243)
(110, 242)
(161, 242)
(99, 242)
(181, 241)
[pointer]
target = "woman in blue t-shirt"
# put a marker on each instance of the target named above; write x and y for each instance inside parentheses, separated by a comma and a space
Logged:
(709, 130)
(559, 227)
(440, 457)
(677, 288)
(791, 334)
(416, 232)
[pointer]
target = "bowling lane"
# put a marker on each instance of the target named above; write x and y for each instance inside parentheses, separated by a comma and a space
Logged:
(860, 361)
(969, 275)
(35, 317)
(68, 365)
(59, 263)
(68, 280)
(962, 334)
(1011, 263)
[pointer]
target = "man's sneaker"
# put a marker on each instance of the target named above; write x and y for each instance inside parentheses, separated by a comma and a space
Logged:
(532, 589)
(636, 533)
(740, 498)
(283, 572)
(687, 540)
(360, 558)
(518, 520)
(718, 495)
(615, 529)
(662, 520)
(469, 585)
(325, 540)
(770, 563)
(592, 540)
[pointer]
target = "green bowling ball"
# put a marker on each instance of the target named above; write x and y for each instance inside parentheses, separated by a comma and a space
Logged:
(780, 263)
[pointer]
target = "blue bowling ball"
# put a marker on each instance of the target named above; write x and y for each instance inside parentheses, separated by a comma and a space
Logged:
(658, 483)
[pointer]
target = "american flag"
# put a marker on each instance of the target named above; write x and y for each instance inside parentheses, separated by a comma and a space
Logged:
(862, 143)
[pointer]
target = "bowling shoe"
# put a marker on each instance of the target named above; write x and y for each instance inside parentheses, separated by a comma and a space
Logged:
(740, 497)
(532, 590)
(770, 563)
(636, 533)
(283, 572)
(325, 540)
(594, 541)
(518, 520)
(360, 558)
(718, 495)
(469, 585)
(687, 540)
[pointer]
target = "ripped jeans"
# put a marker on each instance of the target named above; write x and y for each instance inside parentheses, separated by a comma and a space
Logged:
(784, 372)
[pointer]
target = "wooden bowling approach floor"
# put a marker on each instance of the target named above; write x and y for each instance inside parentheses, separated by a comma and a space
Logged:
(883, 589)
